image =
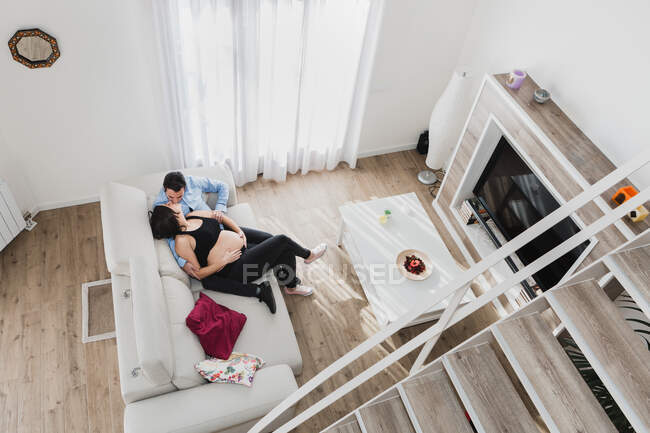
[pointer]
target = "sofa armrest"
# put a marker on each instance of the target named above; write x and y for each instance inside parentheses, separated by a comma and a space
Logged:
(212, 407)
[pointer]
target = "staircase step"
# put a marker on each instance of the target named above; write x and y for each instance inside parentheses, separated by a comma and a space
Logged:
(632, 269)
(610, 345)
(487, 392)
(435, 405)
(386, 416)
(564, 401)
(350, 427)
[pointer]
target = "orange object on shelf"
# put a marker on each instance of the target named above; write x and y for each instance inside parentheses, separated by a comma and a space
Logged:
(624, 194)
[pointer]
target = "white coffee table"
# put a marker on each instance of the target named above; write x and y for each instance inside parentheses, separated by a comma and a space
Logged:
(373, 248)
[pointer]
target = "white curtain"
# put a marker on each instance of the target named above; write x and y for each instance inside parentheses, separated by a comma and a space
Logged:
(266, 86)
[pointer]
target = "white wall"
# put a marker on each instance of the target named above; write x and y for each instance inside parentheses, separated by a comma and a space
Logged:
(591, 54)
(419, 46)
(13, 172)
(94, 115)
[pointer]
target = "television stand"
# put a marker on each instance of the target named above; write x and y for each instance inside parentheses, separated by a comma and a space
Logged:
(528, 290)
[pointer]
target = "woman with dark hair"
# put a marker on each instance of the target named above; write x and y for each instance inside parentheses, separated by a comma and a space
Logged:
(229, 259)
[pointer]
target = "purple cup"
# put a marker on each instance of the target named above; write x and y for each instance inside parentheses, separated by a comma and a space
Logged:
(515, 79)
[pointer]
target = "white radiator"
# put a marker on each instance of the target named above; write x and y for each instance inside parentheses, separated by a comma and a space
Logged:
(11, 220)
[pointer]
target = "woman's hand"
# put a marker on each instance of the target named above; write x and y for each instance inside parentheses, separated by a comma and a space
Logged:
(231, 256)
(191, 270)
(243, 237)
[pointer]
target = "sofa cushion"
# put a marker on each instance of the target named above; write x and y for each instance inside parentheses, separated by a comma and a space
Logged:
(167, 265)
(185, 345)
(243, 215)
(195, 287)
(151, 322)
(269, 336)
(125, 224)
(213, 407)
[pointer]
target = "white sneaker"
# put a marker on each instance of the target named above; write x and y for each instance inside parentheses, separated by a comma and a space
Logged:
(317, 252)
(300, 289)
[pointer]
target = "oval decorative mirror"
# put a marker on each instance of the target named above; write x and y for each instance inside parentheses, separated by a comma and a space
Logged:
(34, 48)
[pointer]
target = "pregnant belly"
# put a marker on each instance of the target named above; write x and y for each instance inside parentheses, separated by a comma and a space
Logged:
(227, 241)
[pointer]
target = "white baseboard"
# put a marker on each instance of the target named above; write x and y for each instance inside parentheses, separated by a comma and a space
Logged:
(387, 149)
(59, 204)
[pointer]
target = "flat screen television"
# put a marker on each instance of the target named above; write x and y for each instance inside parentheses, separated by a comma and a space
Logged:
(516, 199)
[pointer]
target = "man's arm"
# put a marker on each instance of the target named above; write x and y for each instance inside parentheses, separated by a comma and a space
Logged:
(190, 268)
(218, 187)
(172, 246)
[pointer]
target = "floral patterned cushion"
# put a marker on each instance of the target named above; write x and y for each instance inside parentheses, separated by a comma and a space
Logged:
(240, 368)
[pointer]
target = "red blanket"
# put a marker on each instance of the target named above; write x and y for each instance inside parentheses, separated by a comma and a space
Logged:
(216, 326)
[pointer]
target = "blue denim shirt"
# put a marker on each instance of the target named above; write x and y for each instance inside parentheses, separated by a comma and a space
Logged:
(193, 200)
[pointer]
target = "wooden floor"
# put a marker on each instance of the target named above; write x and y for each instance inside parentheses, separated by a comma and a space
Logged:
(50, 381)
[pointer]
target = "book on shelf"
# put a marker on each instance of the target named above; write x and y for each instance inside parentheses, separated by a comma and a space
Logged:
(467, 214)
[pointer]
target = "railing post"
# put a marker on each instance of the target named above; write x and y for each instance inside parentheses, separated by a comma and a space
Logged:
(455, 301)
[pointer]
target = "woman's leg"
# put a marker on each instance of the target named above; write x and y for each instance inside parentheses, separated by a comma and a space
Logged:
(254, 236)
(285, 270)
(262, 291)
(274, 251)
(226, 285)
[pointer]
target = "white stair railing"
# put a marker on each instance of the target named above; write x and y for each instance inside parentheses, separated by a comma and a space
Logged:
(457, 289)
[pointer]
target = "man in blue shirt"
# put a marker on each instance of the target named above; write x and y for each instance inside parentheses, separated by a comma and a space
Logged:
(188, 192)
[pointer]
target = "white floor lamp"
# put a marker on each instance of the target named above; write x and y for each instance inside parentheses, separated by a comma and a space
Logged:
(446, 122)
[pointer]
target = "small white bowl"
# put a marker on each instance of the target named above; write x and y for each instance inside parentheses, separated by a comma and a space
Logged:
(542, 95)
(428, 267)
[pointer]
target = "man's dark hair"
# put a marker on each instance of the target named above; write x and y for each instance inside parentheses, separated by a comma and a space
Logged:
(174, 181)
(164, 223)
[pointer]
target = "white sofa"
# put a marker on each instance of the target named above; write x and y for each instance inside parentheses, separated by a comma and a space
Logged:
(152, 297)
